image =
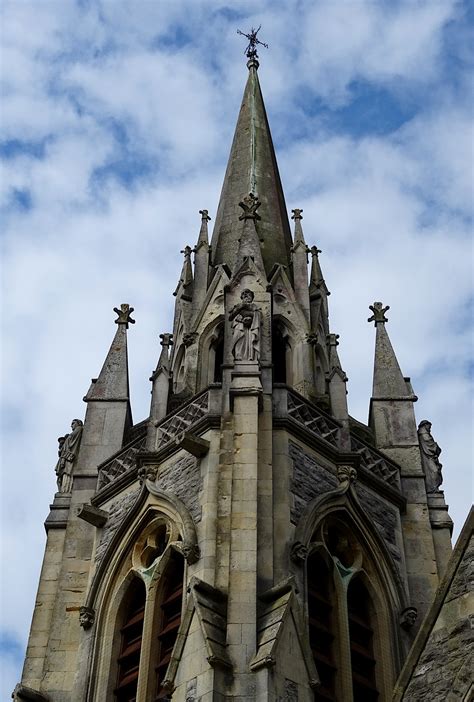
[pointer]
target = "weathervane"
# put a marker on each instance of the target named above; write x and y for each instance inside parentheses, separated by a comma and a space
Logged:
(251, 50)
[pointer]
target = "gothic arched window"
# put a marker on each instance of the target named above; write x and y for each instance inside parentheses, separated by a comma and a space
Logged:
(342, 617)
(143, 616)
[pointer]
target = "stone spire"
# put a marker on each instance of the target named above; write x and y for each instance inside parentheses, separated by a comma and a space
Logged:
(108, 414)
(300, 264)
(201, 263)
(113, 383)
(388, 380)
(252, 168)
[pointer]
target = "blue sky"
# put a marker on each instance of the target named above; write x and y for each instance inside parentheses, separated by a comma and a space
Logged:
(117, 119)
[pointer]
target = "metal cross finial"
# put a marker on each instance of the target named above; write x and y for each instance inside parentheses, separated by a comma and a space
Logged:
(251, 50)
(124, 315)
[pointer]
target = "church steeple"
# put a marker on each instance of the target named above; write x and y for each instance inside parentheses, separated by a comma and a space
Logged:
(252, 168)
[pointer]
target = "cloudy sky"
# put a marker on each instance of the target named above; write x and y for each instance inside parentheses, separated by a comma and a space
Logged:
(116, 122)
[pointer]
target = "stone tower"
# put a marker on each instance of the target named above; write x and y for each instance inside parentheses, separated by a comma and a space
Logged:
(249, 540)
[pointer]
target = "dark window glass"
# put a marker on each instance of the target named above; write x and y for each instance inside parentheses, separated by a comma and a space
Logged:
(322, 626)
(279, 348)
(218, 358)
(170, 619)
(361, 640)
(131, 643)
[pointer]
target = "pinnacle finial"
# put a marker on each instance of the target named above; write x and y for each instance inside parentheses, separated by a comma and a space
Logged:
(205, 215)
(250, 204)
(297, 214)
(315, 251)
(251, 50)
(166, 340)
(378, 310)
(124, 315)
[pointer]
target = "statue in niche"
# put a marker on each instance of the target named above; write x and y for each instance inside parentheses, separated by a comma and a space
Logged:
(430, 452)
(245, 318)
(67, 451)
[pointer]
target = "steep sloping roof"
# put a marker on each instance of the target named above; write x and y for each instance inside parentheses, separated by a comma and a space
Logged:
(439, 665)
(252, 168)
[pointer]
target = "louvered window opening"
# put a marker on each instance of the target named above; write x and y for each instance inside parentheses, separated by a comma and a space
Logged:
(321, 627)
(130, 648)
(169, 624)
(361, 641)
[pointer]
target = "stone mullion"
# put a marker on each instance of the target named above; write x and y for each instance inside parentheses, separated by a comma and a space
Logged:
(145, 678)
(344, 676)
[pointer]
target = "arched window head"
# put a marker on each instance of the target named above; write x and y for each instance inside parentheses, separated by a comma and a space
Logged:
(131, 619)
(152, 542)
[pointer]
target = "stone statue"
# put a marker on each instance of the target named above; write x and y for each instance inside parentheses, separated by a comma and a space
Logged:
(429, 457)
(245, 318)
(67, 451)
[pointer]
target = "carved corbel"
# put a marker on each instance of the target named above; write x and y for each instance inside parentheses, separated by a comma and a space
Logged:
(189, 338)
(408, 618)
(93, 515)
(192, 444)
(346, 474)
(147, 473)
(86, 617)
(22, 693)
(298, 553)
(190, 551)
